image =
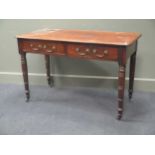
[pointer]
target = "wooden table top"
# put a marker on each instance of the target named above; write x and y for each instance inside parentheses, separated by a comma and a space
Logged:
(84, 36)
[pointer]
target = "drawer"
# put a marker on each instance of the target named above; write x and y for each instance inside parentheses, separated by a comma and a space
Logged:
(45, 47)
(99, 52)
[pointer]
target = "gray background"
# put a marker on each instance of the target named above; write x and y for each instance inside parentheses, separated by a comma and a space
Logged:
(10, 60)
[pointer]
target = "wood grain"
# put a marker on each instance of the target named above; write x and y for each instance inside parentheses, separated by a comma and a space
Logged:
(85, 36)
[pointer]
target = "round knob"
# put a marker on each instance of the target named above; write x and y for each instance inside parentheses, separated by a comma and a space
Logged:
(53, 47)
(44, 46)
(94, 51)
(87, 49)
(77, 49)
(105, 52)
(40, 46)
(31, 45)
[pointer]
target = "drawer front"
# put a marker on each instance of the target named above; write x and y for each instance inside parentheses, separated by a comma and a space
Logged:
(45, 47)
(98, 52)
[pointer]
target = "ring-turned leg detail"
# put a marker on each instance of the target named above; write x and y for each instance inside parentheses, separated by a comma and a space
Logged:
(132, 74)
(121, 86)
(25, 76)
(47, 63)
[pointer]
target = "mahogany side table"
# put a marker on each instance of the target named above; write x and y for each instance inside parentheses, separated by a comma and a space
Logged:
(84, 44)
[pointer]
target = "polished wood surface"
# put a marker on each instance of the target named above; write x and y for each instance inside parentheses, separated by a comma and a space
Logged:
(84, 36)
(95, 45)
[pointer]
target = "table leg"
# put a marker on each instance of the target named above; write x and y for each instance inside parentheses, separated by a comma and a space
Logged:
(132, 74)
(47, 62)
(121, 86)
(25, 75)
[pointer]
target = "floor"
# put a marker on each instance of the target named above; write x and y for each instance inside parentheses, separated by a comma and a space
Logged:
(73, 111)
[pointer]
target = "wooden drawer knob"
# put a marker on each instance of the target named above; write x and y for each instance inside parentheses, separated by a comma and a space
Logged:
(105, 52)
(87, 49)
(94, 51)
(77, 49)
(44, 46)
(53, 47)
(40, 46)
(31, 45)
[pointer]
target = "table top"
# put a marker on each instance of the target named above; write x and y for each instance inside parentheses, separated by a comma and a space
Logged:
(84, 36)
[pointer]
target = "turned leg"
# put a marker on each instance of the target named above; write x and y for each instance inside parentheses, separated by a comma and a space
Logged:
(132, 74)
(47, 62)
(25, 75)
(121, 86)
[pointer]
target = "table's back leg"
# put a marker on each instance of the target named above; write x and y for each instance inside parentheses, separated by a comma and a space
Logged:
(121, 86)
(47, 63)
(25, 75)
(132, 74)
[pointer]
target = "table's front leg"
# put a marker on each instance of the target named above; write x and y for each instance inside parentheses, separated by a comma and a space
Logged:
(132, 74)
(47, 64)
(121, 86)
(25, 75)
